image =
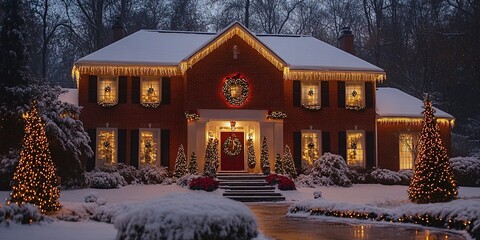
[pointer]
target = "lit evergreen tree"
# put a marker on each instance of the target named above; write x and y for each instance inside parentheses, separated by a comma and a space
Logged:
(279, 165)
(192, 165)
(209, 161)
(215, 158)
(34, 180)
(180, 163)
(250, 154)
(264, 157)
(433, 177)
(288, 164)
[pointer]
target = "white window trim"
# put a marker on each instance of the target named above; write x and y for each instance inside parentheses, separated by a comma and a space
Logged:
(319, 140)
(362, 85)
(159, 141)
(100, 78)
(99, 162)
(319, 92)
(146, 78)
(364, 148)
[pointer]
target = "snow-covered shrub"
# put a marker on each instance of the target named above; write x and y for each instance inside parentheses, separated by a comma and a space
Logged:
(466, 170)
(108, 213)
(91, 197)
(328, 170)
(25, 213)
(105, 180)
(186, 180)
(7, 167)
(188, 216)
(152, 174)
(317, 194)
(389, 177)
(128, 172)
(204, 183)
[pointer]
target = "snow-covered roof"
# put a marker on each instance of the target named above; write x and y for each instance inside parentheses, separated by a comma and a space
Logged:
(391, 102)
(170, 48)
(71, 96)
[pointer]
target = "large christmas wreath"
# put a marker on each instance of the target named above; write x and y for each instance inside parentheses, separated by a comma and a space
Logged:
(235, 81)
(232, 146)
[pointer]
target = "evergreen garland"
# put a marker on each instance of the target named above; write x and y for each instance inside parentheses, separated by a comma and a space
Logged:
(279, 165)
(251, 154)
(180, 163)
(34, 180)
(433, 176)
(264, 157)
(193, 166)
(288, 164)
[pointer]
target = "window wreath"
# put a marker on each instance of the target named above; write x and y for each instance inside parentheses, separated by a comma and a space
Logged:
(235, 90)
(232, 146)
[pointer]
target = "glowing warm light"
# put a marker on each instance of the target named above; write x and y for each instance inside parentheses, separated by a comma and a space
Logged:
(325, 75)
(413, 121)
(355, 149)
(106, 147)
(310, 147)
(131, 70)
(148, 148)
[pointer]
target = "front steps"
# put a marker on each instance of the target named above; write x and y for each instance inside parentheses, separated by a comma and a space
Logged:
(245, 187)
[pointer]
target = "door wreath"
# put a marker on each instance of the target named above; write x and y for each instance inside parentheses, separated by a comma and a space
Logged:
(232, 146)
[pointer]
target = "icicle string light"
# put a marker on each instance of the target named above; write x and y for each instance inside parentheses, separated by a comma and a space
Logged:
(413, 121)
(126, 70)
(320, 75)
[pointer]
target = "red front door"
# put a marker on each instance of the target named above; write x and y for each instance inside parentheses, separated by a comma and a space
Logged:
(232, 151)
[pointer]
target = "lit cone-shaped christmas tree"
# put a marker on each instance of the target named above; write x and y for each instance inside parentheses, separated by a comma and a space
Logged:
(215, 158)
(34, 180)
(265, 164)
(193, 166)
(209, 161)
(180, 163)
(433, 177)
(288, 165)
(279, 165)
(251, 154)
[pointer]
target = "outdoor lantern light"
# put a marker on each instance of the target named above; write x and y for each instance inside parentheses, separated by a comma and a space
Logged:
(232, 125)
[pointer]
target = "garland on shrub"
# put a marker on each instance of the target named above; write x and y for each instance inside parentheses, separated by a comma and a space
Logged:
(251, 154)
(193, 166)
(180, 163)
(264, 162)
(235, 80)
(279, 165)
(287, 162)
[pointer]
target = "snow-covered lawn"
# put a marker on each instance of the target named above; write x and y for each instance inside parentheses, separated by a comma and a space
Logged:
(74, 200)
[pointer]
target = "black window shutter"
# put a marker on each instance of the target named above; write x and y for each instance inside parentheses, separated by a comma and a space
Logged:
(134, 148)
(165, 90)
(297, 149)
(165, 149)
(297, 93)
(342, 144)
(122, 89)
(325, 94)
(341, 94)
(135, 89)
(92, 133)
(92, 89)
(325, 142)
(122, 145)
(370, 142)
(369, 94)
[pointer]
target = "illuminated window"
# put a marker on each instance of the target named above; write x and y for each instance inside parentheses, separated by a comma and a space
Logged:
(149, 147)
(311, 148)
(106, 147)
(107, 90)
(355, 149)
(151, 90)
(407, 146)
(354, 95)
(311, 93)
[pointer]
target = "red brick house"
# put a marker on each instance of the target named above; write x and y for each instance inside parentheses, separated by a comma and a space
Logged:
(149, 92)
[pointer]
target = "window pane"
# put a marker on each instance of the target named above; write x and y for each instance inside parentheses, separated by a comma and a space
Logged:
(310, 147)
(106, 147)
(107, 89)
(149, 148)
(354, 94)
(355, 149)
(310, 93)
(406, 151)
(150, 90)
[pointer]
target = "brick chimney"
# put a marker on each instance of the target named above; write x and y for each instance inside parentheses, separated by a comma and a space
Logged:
(118, 29)
(345, 41)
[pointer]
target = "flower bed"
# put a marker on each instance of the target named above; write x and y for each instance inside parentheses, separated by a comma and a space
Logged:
(284, 183)
(204, 183)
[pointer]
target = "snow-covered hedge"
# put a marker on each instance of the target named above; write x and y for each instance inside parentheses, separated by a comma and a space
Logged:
(113, 176)
(24, 214)
(188, 216)
(389, 177)
(328, 170)
(466, 170)
(105, 180)
(186, 180)
(458, 214)
(152, 174)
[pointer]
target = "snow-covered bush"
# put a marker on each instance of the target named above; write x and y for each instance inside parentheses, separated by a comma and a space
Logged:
(328, 170)
(389, 177)
(7, 167)
(128, 172)
(188, 216)
(152, 174)
(204, 183)
(91, 197)
(108, 213)
(25, 213)
(466, 170)
(105, 180)
(186, 180)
